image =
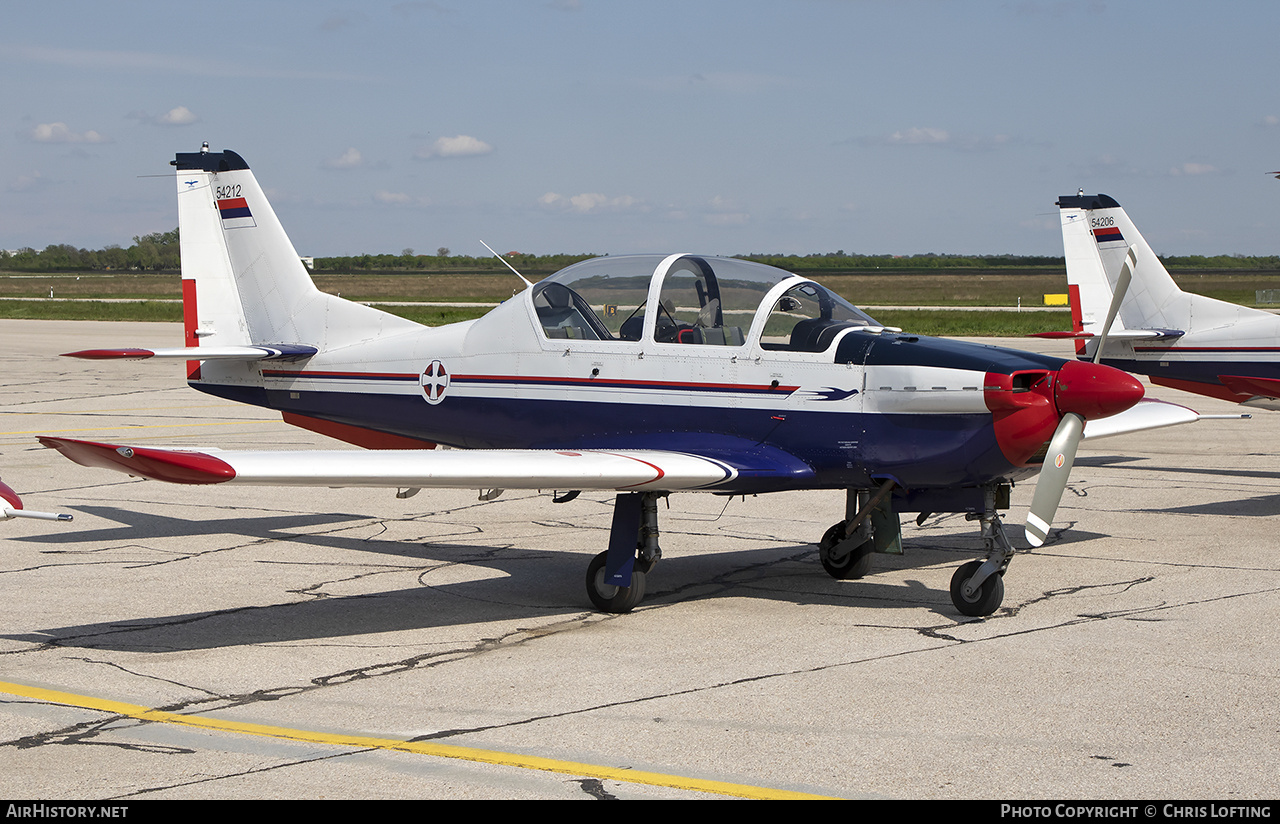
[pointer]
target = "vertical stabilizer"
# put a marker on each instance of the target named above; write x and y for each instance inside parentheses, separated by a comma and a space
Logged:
(1097, 236)
(243, 282)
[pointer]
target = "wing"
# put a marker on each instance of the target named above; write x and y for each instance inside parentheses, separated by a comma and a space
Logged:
(646, 470)
(1145, 414)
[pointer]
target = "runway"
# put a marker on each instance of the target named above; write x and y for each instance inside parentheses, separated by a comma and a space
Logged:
(150, 645)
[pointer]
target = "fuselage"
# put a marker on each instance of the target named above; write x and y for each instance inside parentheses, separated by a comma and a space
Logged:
(773, 371)
(1239, 361)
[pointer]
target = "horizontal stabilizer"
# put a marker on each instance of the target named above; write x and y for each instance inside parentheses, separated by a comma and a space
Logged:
(1146, 414)
(649, 470)
(282, 351)
(1118, 334)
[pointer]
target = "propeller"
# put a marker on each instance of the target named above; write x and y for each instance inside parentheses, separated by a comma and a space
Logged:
(1117, 298)
(1053, 478)
(1082, 391)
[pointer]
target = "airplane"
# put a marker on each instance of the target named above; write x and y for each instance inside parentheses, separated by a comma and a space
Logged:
(644, 375)
(1180, 340)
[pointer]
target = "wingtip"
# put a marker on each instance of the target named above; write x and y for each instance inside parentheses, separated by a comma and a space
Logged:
(171, 465)
(110, 354)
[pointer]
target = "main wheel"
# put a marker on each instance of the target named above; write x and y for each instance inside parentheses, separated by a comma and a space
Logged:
(983, 602)
(610, 598)
(853, 565)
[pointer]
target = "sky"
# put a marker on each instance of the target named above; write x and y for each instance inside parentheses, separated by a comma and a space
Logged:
(620, 126)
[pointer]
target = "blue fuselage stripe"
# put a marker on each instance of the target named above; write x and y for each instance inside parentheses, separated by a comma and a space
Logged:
(799, 449)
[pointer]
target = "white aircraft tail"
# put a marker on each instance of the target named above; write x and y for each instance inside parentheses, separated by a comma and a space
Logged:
(243, 283)
(1097, 238)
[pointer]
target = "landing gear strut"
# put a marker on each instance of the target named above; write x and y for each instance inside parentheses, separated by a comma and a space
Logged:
(869, 526)
(977, 588)
(616, 578)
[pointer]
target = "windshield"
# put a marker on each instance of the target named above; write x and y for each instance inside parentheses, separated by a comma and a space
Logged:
(704, 301)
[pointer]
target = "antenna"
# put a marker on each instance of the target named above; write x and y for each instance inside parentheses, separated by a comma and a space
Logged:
(504, 263)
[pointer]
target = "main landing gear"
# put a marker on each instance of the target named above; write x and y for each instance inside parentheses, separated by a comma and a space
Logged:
(615, 578)
(846, 550)
(869, 526)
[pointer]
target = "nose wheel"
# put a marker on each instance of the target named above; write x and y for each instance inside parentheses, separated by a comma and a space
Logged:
(976, 601)
(977, 588)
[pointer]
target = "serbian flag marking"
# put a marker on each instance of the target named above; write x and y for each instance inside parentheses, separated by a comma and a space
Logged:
(1107, 235)
(235, 213)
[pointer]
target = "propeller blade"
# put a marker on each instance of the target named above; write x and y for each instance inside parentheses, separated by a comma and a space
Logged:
(1053, 477)
(1117, 298)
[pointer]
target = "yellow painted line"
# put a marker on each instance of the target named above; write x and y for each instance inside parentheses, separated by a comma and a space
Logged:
(504, 759)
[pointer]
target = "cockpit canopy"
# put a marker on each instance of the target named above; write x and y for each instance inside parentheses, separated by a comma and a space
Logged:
(688, 299)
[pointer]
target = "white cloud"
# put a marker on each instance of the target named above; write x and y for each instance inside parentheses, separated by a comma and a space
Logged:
(178, 116)
(392, 198)
(916, 136)
(589, 202)
(59, 133)
(349, 159)
(725, 212)
(1193, 169)
(928, 136)
(458, 146)
(28, 183)
(1271, 120)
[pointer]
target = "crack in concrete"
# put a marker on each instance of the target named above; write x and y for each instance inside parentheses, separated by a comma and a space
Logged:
(239, 774)
(89, 732)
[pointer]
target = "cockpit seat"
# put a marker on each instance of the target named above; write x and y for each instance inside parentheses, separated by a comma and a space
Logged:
(713, 335)
(815, 334)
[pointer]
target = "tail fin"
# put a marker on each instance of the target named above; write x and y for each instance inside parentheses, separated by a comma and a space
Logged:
(1097, 236)
(243, 282)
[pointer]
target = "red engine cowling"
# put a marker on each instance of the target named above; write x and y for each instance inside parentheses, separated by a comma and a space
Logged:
(1027, 405)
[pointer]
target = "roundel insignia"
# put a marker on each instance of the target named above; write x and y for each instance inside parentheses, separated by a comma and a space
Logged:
(435, 381)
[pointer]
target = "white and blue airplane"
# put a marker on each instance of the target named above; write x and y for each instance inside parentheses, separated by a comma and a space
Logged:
(1179, 339)
(645, 375)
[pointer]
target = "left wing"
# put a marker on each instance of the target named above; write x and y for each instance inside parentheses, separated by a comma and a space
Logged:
(565, 469)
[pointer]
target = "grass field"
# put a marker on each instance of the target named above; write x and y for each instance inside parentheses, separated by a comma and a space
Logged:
(81, 295)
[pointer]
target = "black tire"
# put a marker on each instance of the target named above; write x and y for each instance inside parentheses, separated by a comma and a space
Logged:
(854, 565)
(609, 598)
(983, 602)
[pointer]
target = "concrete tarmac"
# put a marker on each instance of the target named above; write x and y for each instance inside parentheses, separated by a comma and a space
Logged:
(206, 642)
